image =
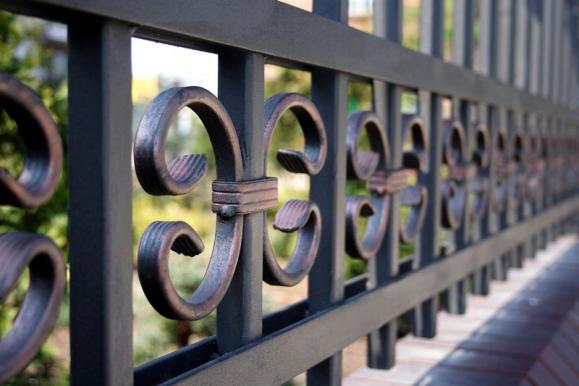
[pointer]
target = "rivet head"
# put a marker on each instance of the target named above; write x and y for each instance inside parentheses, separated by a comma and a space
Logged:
(227, 211)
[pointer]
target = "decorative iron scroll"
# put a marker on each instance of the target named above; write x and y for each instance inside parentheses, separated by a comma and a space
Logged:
(572, 155)
(19, 251)
(180, 178)
(459, 171)
(232, 198)
(295, 215)
(414, 159)
(371, 167)
(517, 168)
(501, 148)
(535, 169)
(478, 185)
(556, 165)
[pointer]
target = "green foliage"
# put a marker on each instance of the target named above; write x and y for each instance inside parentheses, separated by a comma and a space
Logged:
(411, 22)
(45, 370)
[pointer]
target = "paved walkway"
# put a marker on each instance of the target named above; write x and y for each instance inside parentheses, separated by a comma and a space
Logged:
(526, 332)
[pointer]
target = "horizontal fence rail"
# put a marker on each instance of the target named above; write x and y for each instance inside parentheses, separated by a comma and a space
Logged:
(486, 169)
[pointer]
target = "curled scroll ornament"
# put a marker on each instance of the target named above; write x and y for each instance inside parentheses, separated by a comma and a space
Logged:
(556, 164)
(369, 166)
(501, 170)
(572, 168)
(19, 250)
(517, 168)
(478, 185)
(459, 171)
(179, 178)
(302, 216)
(415, 160)
(535, 169)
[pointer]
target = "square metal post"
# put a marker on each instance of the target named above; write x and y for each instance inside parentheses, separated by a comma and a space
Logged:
(101, 313)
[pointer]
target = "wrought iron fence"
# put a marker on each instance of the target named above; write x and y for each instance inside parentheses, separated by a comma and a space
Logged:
(499, 177)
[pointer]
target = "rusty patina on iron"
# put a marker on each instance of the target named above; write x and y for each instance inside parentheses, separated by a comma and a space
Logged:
(19, 250)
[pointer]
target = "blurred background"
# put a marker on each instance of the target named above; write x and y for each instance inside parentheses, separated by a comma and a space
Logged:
(35, 51)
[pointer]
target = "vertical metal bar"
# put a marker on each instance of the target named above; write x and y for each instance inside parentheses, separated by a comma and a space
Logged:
(493, 17)
(558, 14)
(522, 211)
(388, 24)
(546, 47)
(542, 132)
(101, 318)
(546, 85)
(462, 38)
(551, 92)
(241, 89)
(502, 14)
(571, 83)
(510, 25)
(455, 297)
(529, 124)
(566, 75)
(495, 30)
(506, 122)
(481, 280)
(566, 61)
(521, 58)
(326, 282)
(431, 42)
(526, 77)
(509, 215)
(536, 13)
(432, 27)
(489, 117)
(547, 186)
(576, 57)
(575, 64)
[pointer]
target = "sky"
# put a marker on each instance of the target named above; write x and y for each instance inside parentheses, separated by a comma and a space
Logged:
(189, 67)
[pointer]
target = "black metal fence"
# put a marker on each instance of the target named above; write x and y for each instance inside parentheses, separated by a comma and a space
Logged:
(499, 178)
